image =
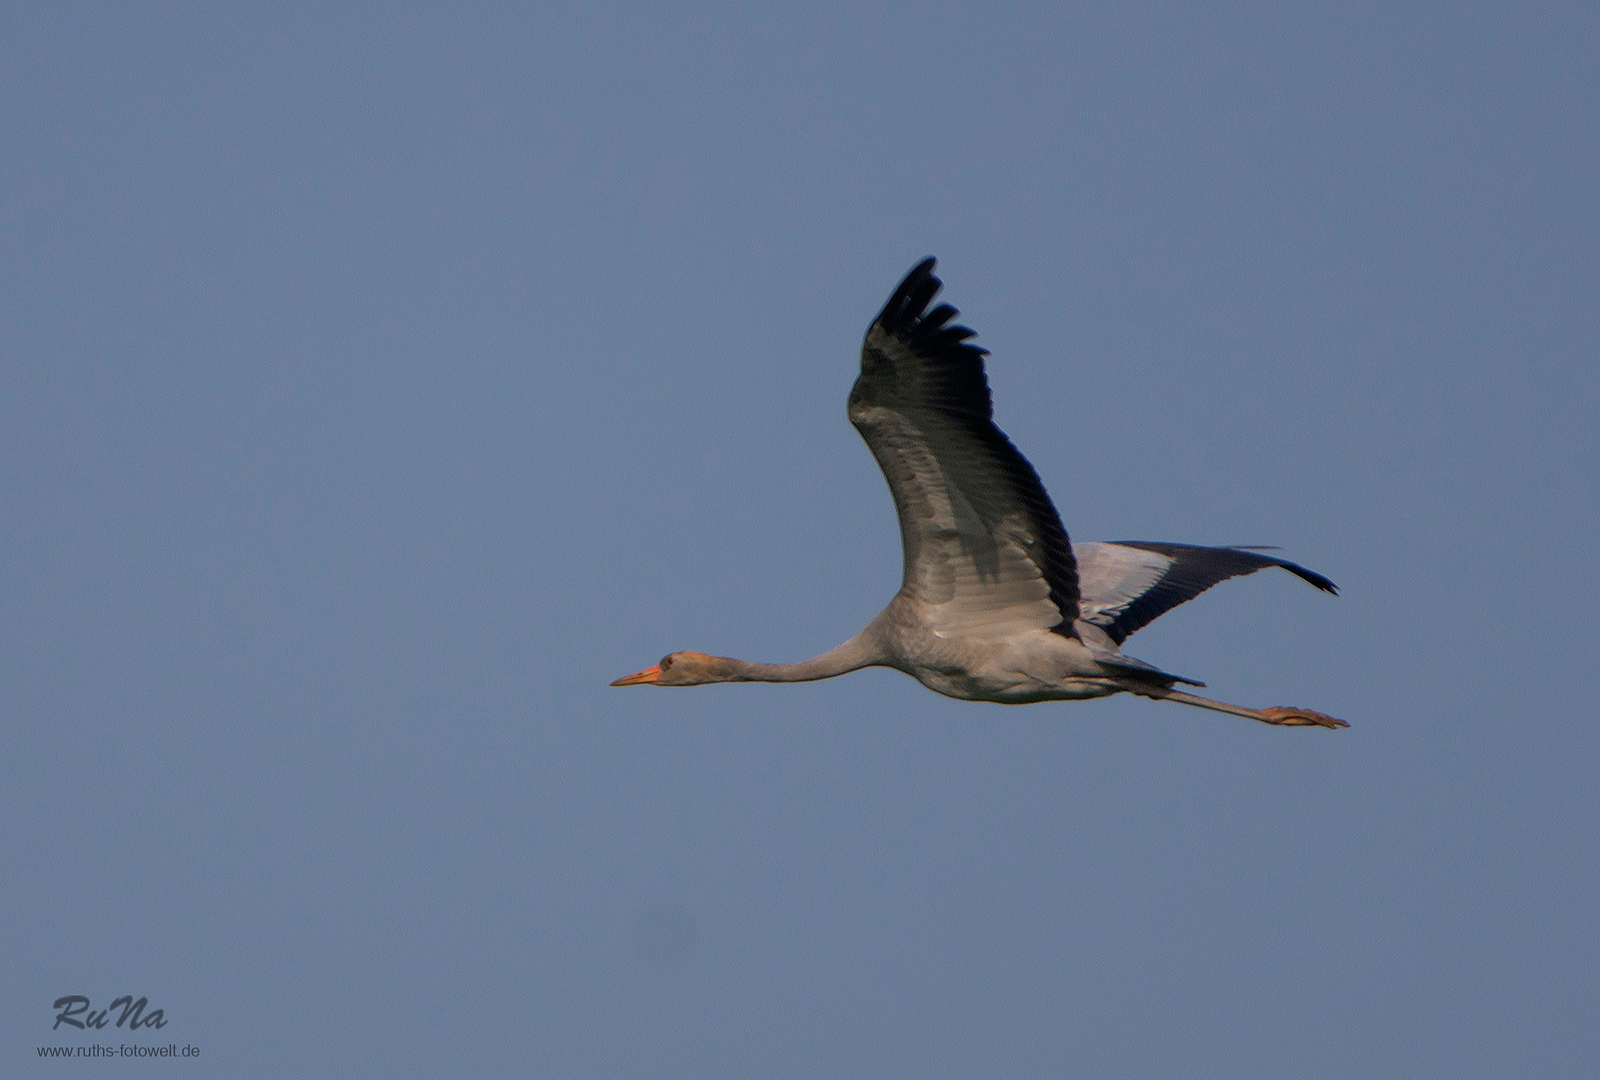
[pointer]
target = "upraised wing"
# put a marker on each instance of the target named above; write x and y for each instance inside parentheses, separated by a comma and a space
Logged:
(1130, 583)
(983, 544)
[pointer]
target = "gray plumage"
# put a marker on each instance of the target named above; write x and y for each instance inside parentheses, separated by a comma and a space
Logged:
(996, 603)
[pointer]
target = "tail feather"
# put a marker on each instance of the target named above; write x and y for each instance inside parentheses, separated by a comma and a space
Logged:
(1127, 665)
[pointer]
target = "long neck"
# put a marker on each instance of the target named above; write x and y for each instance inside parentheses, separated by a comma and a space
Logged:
(853, 655)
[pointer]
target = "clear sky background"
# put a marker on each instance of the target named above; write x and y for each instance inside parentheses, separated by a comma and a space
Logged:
(380, 382)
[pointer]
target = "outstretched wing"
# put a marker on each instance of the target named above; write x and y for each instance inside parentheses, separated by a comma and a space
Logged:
(1130, 583)
(983, 544)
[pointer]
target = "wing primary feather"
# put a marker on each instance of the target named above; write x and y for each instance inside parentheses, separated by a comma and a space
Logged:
(914, 293)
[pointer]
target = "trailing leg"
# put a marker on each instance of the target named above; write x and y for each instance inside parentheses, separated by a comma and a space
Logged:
(1279, 716)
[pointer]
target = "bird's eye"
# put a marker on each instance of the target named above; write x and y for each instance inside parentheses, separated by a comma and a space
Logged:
(666, 661)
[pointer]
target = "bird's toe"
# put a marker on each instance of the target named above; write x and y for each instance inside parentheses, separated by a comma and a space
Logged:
(1301, 718)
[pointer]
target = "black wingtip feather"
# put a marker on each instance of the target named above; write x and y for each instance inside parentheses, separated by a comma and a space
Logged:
(949, 375)
(907, 302)
(1309, 575)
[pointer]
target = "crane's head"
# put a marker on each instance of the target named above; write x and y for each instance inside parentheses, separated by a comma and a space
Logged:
(679, 669)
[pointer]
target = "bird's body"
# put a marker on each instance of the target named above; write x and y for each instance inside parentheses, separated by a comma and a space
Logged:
(996, 604)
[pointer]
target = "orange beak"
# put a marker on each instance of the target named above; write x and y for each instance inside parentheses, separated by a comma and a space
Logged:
(639, 678)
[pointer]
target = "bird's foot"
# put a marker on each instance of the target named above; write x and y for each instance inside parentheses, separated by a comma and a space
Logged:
(1300, 718)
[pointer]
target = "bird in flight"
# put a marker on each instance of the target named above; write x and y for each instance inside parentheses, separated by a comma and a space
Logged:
(996, 604)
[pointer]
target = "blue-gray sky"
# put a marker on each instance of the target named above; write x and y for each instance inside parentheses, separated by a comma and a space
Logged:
(381, 382)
